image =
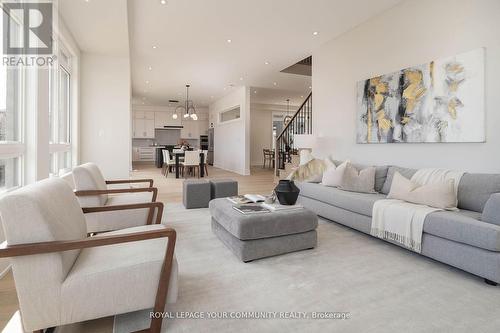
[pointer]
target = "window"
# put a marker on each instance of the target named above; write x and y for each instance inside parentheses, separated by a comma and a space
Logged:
(60, 114)
(12, 147)
(229, 115)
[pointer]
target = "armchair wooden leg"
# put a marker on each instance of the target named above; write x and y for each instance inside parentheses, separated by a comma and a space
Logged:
(161, 294)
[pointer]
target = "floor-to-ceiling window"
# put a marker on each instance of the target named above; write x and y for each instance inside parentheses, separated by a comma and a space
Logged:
(60, 114)
(12, 146)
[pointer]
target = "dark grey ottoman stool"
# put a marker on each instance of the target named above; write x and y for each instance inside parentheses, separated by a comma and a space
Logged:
(223, 188)
(261, 235)
(195, 193)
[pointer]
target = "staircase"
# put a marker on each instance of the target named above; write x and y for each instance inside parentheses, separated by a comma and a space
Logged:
(286, 157)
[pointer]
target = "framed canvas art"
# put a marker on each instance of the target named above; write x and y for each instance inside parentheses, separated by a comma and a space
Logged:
(440, 101)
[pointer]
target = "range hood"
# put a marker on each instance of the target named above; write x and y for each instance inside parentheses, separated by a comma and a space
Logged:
(172, 127)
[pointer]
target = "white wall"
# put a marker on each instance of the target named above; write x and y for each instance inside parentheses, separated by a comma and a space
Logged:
(261, 128)
(411, 33)
(232, 139)
(105, 113)
(261, 133)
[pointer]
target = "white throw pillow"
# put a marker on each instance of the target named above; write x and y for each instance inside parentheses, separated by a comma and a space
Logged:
(333, 174)
(439, 195)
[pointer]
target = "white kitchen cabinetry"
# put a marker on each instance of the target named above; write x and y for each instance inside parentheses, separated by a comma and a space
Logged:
(192, 129)
(189, 130)
(144, 125)
(145, 154)
(164, 118)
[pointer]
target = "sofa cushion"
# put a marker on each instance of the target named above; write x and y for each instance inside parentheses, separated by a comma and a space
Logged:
(438, 194)
(475, 189)
(361, 181)
(491, 212)
(380, 173)
(361, 203)
(405, 172)
(464, 227)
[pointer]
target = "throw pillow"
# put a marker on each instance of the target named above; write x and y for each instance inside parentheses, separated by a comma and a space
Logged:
(439, 195)
(358, 181)
(333, 174)
(311, 172)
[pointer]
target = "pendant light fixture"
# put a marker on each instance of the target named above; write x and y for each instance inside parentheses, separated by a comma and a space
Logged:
(188, 110)
(287, 118)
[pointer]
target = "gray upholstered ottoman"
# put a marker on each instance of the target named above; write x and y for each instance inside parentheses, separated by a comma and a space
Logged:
(223, 188)
(195, 193)
(261, 235)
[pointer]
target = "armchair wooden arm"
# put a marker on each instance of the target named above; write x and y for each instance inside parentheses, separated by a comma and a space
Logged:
(127, 181)
(121, 190)
(151, 205)
(7, 251)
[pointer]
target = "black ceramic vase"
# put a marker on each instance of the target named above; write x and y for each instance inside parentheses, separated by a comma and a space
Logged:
(287, 192)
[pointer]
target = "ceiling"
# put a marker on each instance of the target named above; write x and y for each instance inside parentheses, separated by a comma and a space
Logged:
(99, 27)
(277, 96)
(191, 41)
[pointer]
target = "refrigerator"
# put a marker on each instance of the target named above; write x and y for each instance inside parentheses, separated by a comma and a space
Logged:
(210, 154)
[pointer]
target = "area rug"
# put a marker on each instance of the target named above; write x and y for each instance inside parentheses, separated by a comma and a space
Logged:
(351, 282)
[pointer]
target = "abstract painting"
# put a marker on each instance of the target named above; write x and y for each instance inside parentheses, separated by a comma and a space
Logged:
(440, 101)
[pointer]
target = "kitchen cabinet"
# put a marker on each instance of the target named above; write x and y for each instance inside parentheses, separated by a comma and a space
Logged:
(192, 129)
(189, 130)
(164, 118)
(143, 125)
(144, 154)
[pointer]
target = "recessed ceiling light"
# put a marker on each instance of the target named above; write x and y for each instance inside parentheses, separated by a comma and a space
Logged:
(255, 91)
(266, 63)
(301, 96)
(150, 68)
(274, 83)
(224, 88)
(147, 82)
(315, 33)
(229, 40)
(154, 46)
(310, 87)
(241, 79)
(163, 2)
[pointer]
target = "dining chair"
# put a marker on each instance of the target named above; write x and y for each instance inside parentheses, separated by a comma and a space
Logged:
(268, 156)
(205, 164)
(92, 191)
(178, 151)
(191, 163)
(64, 277)
(170, 163)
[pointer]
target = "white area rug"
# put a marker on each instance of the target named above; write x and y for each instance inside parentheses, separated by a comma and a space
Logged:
(383, 287)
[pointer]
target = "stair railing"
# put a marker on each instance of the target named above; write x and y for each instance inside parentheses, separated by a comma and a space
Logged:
(300, 123)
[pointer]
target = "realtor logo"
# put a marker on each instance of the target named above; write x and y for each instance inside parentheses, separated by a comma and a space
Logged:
(27, 28)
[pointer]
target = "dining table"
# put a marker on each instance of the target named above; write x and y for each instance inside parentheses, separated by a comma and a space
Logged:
(178, 155)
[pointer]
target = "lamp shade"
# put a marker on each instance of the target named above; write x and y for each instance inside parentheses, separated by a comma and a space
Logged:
(304, 141)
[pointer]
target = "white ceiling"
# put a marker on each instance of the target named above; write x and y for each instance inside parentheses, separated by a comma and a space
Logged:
(191, 41)
(277, 96)
(191, 38)
(99, 27)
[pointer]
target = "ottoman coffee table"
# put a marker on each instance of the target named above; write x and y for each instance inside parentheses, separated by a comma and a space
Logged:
(261, 235)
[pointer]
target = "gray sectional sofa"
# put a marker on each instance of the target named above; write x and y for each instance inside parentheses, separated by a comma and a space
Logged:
(468, 239)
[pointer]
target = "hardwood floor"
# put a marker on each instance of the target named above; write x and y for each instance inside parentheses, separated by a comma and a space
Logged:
(261, 181)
